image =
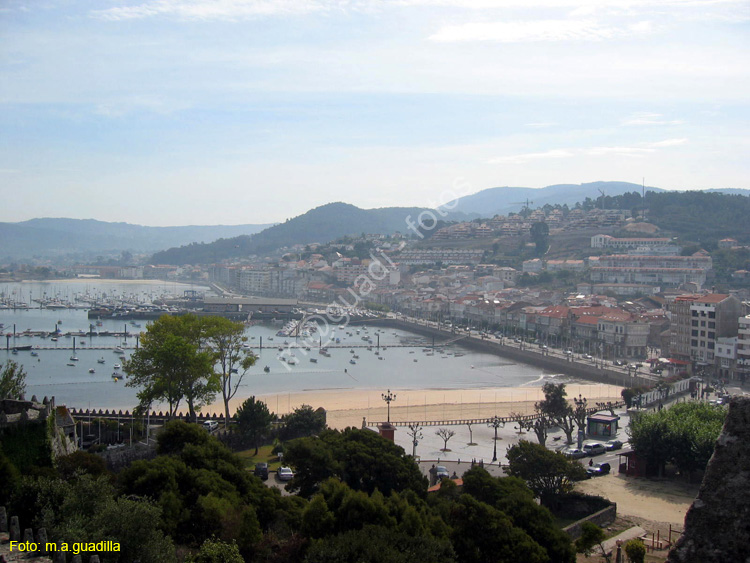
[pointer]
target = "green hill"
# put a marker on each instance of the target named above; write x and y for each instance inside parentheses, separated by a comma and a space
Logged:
(322, 224)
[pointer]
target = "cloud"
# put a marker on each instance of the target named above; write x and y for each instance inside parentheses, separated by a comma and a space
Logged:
(540, 125)
(527, 31)
(641, 149)
(646, 118)
(524, 158)
(214, 9)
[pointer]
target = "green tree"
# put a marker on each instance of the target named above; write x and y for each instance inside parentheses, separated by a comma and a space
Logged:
(313, 461)
(9, 477)
(684, 434)
(170, 366)
(304, 421)
(513, 497)
(591, 537)
(254, 420)
(217, 551)
(540, 235)
(362, 459)
(378, 544)
(548, 474)
(227, 340)
(483, 534)
(80, 462)
(12, 380)
(557, 408)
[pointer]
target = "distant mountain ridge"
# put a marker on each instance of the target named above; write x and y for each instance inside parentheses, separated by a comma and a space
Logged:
(321, 224)
(501, 201)
(51, 237)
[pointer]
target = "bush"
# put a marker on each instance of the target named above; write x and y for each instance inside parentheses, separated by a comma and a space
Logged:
(635, 550)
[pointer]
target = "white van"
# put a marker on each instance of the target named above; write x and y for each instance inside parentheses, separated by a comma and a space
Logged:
(211, 425)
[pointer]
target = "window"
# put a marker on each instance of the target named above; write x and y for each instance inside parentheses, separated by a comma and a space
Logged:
(711, 345)
(712, 315)
(694, 323)
(703, 333)
(703, 323)
(694, 313)
(694, 343)
(711, 324)
(712, 335)
(694, 333)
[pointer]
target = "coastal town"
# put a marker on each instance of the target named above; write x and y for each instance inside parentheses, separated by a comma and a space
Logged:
(324, 281)
(621, 300)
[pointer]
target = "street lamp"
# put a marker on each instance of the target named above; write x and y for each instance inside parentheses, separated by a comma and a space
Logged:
(388, 398)
(495, 423)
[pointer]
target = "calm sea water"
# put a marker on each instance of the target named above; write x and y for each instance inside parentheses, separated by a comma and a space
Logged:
(401, 367)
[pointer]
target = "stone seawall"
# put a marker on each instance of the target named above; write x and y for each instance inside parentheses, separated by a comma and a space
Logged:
(550, 363)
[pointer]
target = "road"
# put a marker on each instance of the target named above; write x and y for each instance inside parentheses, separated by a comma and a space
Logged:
(528, 347)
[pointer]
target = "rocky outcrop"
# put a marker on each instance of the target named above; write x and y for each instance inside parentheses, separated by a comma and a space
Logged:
(716, 525)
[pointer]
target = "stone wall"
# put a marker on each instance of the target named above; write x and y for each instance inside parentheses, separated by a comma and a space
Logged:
(11, 530)
(118, 459)
(602, 518)
(716, 525)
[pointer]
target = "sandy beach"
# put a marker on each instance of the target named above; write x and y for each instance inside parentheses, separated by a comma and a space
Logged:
(347, 407)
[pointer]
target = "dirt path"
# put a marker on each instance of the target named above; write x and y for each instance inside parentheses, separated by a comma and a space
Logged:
(664, 501)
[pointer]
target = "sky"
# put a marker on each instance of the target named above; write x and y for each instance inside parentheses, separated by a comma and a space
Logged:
(204, 112)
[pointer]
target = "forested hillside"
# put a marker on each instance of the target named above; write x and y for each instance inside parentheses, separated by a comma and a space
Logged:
(692, 216)
(322, 224)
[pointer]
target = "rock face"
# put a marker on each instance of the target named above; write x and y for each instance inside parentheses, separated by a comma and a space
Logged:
(716, 525)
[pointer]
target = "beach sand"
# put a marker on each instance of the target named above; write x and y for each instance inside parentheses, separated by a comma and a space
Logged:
(347, 407)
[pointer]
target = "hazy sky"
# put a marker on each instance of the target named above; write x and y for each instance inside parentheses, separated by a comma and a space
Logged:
(168, 112)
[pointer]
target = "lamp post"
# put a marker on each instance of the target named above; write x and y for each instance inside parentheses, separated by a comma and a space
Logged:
(388, 397)
(495, 423)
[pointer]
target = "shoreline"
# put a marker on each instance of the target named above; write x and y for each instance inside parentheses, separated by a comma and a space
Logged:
(347, 407)
(108, 280)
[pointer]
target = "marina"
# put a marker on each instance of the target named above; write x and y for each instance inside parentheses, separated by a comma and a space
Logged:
(391, 358)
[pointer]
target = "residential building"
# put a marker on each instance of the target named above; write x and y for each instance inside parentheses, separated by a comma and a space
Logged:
(697, 321)
(743, 348)
(726, 357)
(607, 241)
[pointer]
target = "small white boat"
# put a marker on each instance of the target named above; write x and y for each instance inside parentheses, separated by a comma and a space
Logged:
(74, 358)
(100, 360)
(35, 354)
(92, 370)
(352, 361)
(314, 360)
(117, 366)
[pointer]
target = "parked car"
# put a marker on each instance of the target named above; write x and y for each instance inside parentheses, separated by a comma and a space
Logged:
(284, 474)
(569, 352)
(442, 472)
(588, 357)
(598, 469)
(620, 363)
(594, 448)
(574, 453)
(261, 470)
(613, 445)
(211, 425)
